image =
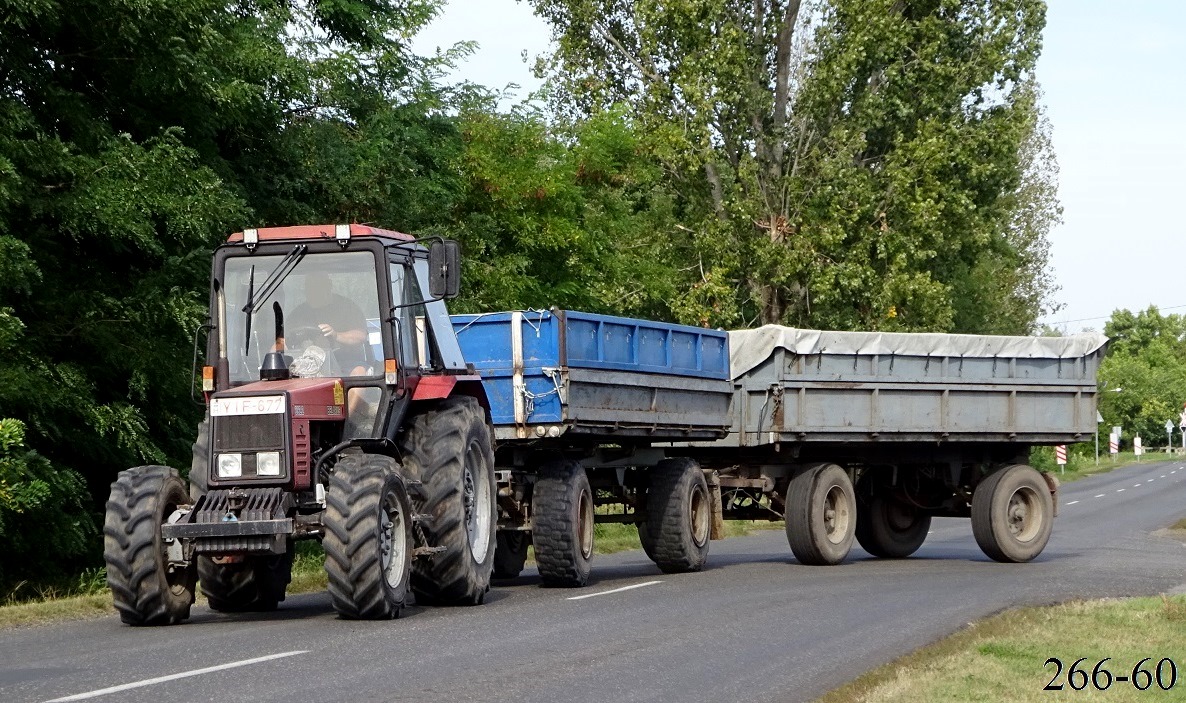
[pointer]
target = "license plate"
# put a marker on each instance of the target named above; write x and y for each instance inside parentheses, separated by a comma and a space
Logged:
(247, 405)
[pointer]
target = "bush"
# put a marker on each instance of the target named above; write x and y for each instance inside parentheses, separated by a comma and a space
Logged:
(44, 524)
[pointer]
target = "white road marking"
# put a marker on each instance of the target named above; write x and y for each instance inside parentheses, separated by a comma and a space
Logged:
(1072, 502)
(174, 677)
(1119, 490)
(1100, 495)
(1137, 484)
(1163, 475)
(615, 590)
(1151, 480)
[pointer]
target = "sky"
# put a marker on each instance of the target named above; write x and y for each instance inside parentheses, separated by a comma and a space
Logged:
(1114, 76)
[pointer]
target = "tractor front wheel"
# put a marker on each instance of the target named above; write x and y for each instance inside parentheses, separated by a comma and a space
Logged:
(147, 587)
(368, 538)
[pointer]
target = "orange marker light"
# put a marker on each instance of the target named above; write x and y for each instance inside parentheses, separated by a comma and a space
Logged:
(208, 379)
(390, 371)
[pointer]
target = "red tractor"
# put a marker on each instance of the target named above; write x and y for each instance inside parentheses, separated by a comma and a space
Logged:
(339, 409)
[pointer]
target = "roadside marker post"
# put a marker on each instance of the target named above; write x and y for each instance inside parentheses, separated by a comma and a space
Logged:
(1137, 448)
(1060, 456)
(1113, 446)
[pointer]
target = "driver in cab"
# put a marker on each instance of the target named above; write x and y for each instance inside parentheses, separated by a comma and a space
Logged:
(335, 321)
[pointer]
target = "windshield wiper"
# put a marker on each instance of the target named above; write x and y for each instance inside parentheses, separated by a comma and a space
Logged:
(270, 285)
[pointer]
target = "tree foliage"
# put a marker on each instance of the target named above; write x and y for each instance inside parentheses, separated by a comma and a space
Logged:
(850, 164)
(134, 135)
(1143, 378)
(560, 215)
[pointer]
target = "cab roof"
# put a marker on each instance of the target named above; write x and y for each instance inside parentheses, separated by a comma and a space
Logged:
(330, 232)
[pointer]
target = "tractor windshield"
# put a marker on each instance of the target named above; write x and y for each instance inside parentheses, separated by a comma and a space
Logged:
(330, 309)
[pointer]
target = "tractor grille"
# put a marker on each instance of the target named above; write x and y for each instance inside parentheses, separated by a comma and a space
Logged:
(237, 433)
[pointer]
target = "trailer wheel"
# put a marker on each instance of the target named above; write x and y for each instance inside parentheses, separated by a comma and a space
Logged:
(368, 538)
(448, 449)
(1012, 514)
(821, 515)
(679, 516)
(257, 583)
(200, 465)
(562, 505)
(890, 528)
(510, 553)
(145, 587)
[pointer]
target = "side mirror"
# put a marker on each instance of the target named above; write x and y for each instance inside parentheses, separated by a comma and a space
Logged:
(444, 269)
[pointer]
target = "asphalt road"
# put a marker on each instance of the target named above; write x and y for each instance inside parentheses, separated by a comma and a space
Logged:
(755, 625)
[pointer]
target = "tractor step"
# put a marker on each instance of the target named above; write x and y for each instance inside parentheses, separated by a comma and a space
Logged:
(429, 551)
(415, 488)
(423, 517)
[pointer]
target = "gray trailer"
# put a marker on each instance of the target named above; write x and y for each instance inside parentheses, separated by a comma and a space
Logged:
(845, 435)
(869, 435)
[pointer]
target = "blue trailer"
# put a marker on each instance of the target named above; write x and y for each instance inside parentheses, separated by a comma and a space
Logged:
(845, 435)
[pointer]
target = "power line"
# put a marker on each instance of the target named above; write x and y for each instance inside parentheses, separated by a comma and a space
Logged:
(1108, 317)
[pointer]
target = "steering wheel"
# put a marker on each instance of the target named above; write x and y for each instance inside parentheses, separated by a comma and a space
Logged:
(313, 352)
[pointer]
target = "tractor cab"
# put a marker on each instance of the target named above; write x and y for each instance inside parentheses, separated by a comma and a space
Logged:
(360, 306)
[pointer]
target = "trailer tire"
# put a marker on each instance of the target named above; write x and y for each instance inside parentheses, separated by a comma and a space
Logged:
(368, 538)
(1012, 514)
(890, 528)
(144, 589)
(510, 553)
(256, 584)
(820, 514)
(448, 449)
(562, 505)
(199, 466)
(679, 516)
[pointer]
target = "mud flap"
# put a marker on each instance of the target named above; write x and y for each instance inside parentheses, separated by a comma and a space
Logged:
(1052, 483)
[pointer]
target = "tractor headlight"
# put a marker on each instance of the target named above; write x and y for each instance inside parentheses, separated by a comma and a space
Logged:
(267, 464)
(230, 465)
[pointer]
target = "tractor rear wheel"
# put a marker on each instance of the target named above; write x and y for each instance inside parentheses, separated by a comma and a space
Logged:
(200, 464)
(257, 583)
(448, 449)
(146, 587)
(368, 538)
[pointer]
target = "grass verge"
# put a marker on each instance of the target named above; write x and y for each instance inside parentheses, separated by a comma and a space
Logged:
(1004, 657)
(1078, 467)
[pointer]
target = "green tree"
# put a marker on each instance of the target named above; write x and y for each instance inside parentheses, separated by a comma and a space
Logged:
(1143, 377)
(134, 135)
(560, 214)
(43, 521)
(862, 174)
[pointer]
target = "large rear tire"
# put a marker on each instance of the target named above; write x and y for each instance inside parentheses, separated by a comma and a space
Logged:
(1012, 514)
(448, 449)
(256, 584)
(200, 464)
(890, 528)
(679, 517)
(510, 554)
(368, 538)
(145, 587)
(821, 515)
(562, 509)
